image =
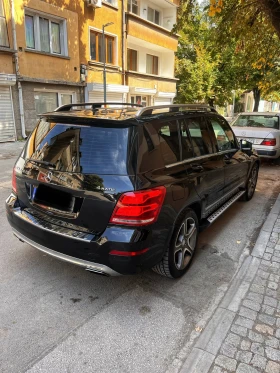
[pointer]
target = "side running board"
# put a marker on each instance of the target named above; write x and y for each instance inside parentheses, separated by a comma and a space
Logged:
(224, 207)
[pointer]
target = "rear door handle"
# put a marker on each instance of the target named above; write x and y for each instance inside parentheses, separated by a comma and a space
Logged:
(197, 167)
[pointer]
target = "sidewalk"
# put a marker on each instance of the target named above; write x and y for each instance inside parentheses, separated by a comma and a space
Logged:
(10, 149)
(243, 335)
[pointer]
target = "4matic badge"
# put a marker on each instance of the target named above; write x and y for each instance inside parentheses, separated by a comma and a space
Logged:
(105, 189)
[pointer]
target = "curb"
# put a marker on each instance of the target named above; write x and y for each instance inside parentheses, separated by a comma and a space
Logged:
(209, 342)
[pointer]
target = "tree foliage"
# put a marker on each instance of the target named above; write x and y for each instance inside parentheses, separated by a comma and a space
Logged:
(239, 45)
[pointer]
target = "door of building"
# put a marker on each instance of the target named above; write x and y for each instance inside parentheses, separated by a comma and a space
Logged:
(7, 122)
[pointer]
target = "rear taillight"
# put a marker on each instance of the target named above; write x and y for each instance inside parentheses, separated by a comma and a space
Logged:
(269, 142)
(139, 208)
(14, 182)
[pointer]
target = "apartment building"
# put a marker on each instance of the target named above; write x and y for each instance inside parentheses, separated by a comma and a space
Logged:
(51, 53)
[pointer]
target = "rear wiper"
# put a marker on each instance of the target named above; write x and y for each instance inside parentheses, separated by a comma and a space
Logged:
(45, 163)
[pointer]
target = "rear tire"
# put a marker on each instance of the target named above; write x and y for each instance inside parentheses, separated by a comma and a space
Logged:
(251, 183)
(177, 258)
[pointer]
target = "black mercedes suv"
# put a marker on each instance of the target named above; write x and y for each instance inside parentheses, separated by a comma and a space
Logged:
(120, 189)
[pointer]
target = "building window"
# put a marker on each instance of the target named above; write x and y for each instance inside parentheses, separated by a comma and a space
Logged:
(152, 64)
(49, 101)
(96, 50)
(153, 16)
(133, 6)
(112, 2)
(3, 27)
(140, 100)
(131, 59)
(45, 34)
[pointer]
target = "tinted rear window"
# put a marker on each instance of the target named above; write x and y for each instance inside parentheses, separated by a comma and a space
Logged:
(80, 149)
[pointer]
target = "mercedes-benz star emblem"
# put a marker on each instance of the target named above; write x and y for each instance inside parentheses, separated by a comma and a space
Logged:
(48, 177)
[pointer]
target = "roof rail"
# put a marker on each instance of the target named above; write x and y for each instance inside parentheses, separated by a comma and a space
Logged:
(94, 105)
(173, 108)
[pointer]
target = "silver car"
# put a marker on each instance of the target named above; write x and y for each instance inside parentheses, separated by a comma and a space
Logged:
(262, 130)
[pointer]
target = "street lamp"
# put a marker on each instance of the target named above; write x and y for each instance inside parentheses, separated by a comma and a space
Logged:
(104, 58)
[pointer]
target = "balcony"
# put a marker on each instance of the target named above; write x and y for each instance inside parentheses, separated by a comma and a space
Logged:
(153, 20)
(147, 31)
(149, 59)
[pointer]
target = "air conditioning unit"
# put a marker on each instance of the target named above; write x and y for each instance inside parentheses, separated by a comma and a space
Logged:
(94, 3)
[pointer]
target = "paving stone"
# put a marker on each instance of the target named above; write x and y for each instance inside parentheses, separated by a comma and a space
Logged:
(263, 274)
(259, 289)
(271, 244)
(265, 264)
(274, 278)
(233, 340)
(226, 362)
(217, 369)
(228, 350)
(275, 252)
(243, 321)
(272, 285)
(272, 367)
(257, 348)
(259, 362)
(244, 356)
(244, 368)
(255, 306)
(274, 234)
(255, 297)
(278, 322)
(246, 312)
(273, 239)
(267, 319)
(275, 259)
(259, 281)
(269, 250)
(245, 345)
(277, 333)
(275, 264)
(240, 330)
(270, 301)
(272, 353)
(256, 337)
(271, 293)
(265, 329)
(267, 256)
(272, 342)
(268, 310)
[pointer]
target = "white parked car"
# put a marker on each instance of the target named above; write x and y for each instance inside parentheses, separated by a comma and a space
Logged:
(262, 130)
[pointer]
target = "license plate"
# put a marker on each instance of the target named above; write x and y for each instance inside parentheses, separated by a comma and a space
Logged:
(251, 139)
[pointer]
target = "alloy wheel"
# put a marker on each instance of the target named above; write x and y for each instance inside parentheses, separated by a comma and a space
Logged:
(185, 243)
(252, 182)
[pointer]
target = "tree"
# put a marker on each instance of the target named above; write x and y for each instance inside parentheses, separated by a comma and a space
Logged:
(241, 46)
(269, 8)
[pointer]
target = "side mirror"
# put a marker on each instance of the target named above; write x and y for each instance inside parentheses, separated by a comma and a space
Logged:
(246, 147)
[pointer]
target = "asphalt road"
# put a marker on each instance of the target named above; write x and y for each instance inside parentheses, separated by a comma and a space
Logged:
(55, 317)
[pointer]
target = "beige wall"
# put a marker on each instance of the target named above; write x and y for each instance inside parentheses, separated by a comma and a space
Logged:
(161, 86)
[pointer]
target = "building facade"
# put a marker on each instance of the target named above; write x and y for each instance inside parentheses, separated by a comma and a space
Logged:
(52, 53)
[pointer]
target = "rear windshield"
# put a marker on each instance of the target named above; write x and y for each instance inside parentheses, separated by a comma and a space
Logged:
(261, 121)
(80, 148)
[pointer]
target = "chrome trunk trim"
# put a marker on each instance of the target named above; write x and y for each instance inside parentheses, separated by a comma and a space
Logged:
(89, 266)
(47, 225)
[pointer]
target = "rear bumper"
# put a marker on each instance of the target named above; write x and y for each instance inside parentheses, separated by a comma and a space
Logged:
(87, 250)
(89, 266)
(267, 153)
